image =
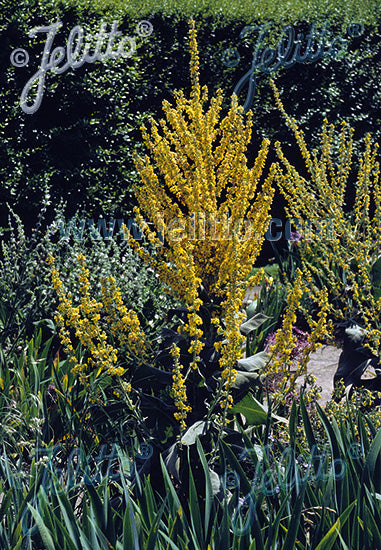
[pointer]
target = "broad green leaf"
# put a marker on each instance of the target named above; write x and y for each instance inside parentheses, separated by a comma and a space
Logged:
(254, 412)
(253, 323)
(254, 362)
(244, 380)
(193, 432)
(251, 308)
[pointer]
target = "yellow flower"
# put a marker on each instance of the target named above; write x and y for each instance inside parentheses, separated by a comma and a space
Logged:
(123, 323)
(179, 389)
(207, 213)
(342, 257)
(84, 319)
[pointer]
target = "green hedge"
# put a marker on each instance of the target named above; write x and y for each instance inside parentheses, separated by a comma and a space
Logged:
(79, 144)
(342, 11)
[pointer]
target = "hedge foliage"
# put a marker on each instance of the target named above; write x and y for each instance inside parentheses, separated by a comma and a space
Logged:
(342, 11)
(79, 144)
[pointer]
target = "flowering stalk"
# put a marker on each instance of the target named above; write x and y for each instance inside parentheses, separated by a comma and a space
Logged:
(85, 319)
(179, 389)
(206, 214)
(345, 256)
(123, 323)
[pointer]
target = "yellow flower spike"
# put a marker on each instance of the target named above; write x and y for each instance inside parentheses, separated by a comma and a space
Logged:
(344, 255)
(179, 389)
(50, 260)
(124, 324)
(85, 321)
(203, 211)
(195, 160)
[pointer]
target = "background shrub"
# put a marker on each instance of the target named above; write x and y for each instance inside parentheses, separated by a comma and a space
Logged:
(27, 296)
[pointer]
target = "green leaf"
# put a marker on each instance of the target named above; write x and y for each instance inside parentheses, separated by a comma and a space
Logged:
(44, 531)
(194, 507)
(251, 308)
(363, 434)
(278, 519)
(208, 487)
(152, 537)
(254, 412)
(307, 425)
(172, 461)
(253, 323)
(292, 423)
(244, 381)
(254, 362)
(193, 432)
(33, 489)
(5, 503)
(329, 539)
(234, 463)
(371, 459)
(96, 504)
(68, 515)
(130, 536)
(292, 531)
(169, 485)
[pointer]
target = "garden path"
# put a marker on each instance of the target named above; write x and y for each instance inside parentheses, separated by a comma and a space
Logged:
(322, 364)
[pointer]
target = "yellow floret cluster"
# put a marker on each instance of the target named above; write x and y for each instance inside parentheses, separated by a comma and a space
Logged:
(84, 321)
(203, 211)
(123, 323)
(179, 389)
(343, 255)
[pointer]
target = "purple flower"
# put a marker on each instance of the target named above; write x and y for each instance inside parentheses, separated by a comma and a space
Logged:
(295, 236)
(300, 345)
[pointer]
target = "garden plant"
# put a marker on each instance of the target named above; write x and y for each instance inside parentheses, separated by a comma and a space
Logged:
(144, 402)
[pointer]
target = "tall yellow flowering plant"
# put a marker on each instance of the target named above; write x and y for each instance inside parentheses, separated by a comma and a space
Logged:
(82, 323)
(201, 208)
(339, 252)
(103, 346)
